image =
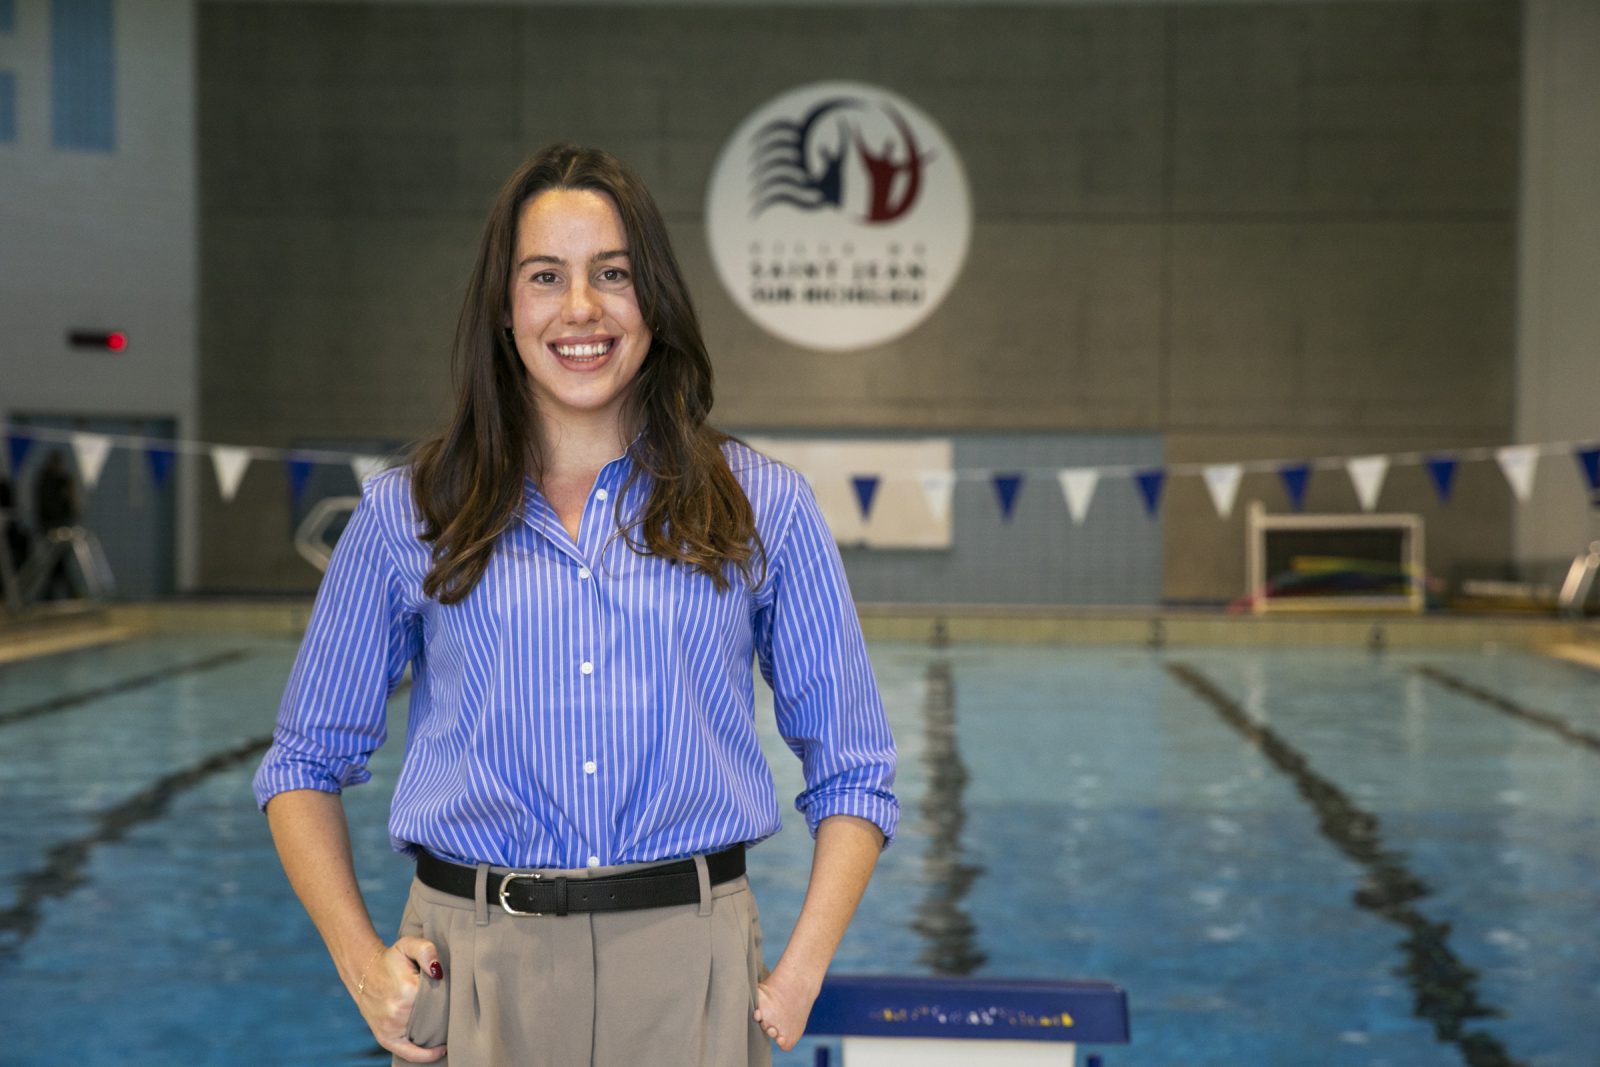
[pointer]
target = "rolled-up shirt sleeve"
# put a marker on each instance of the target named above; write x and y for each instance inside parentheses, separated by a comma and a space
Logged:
(355, 651)
(811, 651)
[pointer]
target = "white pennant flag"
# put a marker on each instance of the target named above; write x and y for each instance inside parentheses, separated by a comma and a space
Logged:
(230, 464)
(1367, 474)
(1077, 485)
(91, 450)
(1223, 482)
(937, 489)
(1517, 463)
(366, 466)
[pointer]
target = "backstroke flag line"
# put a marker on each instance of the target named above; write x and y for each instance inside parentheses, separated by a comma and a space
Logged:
(1442, 472)
(1006, 488)
(1222, 481)
(866, 487)
(230, 464)
(91, 450)
(1367, 474)
(1518, 463)
(1294, 477)
(937, 488)
(364, 467)
(1078, 487)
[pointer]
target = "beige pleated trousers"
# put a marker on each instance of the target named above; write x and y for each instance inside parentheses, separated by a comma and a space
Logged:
(664, 987)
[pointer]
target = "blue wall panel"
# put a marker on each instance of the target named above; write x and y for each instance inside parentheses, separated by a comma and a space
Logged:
(1039, 556)
(82, 75)
(8, 106)
(8, 81)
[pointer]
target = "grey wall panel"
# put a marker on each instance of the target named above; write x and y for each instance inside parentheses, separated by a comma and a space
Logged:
(1379, 324)
(1344, 108)
(1558, 320)
(1224, 222)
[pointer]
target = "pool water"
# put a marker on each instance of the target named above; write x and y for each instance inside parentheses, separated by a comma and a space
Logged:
(1283, 856)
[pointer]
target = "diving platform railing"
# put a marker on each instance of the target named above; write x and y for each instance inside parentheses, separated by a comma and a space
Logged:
(91, 579)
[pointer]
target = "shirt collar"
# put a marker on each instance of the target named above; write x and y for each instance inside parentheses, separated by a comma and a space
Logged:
(612, 477)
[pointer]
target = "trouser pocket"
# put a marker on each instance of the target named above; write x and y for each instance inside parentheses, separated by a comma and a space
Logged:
(430, 1012)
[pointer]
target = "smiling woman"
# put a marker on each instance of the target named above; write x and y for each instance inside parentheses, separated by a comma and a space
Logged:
(579, 574)
(576, 252)
(575, 320)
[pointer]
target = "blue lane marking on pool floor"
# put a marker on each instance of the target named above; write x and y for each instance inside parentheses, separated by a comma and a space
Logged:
(63, 869)
(1444, 988)
(1516, 710)
(942, 916)
(66, 701)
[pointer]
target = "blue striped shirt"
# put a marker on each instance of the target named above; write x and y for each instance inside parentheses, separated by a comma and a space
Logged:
(586, 704)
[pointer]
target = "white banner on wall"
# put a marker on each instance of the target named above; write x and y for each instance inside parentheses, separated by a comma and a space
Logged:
(902, 513)
(838, 216)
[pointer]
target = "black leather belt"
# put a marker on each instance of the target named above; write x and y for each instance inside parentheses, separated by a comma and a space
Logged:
(527, 893)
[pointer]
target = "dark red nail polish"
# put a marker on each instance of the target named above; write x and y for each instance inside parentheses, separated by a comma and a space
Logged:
(436, 970)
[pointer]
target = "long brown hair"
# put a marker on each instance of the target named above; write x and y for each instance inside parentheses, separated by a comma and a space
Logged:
(468, 482)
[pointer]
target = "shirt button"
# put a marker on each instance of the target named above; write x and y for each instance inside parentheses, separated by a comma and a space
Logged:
(583, 572)
(594, 861)
(586, 667)
(588, 766)
(600, 494)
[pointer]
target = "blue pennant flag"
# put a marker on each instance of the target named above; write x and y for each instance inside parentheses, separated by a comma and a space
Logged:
(160, 459)
(1295, 476)
(18, 445)
(1006, 488)
(1150, 488)
(866, 488)
(1442, 469)
(1589, 460)
(299, 472)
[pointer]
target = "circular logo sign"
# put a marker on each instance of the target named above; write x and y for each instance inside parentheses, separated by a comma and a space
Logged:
(838, 216)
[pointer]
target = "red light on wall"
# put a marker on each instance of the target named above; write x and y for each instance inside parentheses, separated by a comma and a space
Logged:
(105, 340)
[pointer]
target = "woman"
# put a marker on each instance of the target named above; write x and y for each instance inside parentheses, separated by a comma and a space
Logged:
(579, 573)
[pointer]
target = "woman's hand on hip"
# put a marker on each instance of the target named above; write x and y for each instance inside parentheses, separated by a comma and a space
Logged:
(389, 989)
(783, 1007)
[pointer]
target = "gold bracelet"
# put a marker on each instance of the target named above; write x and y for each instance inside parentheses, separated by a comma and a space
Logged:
(361, 986)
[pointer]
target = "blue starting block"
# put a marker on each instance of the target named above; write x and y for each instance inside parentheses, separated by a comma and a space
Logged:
(887, 1021)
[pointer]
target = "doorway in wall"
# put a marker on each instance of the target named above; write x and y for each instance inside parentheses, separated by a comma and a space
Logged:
(130, 510)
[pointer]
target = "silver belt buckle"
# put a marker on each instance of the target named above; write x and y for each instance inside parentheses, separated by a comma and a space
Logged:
(505, 882)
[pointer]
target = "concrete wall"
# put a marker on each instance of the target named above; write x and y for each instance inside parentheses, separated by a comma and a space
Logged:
(1255, 230)
(1558, 330)
(104, 237)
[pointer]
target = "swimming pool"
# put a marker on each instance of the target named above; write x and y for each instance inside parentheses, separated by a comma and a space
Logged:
(1281, 854)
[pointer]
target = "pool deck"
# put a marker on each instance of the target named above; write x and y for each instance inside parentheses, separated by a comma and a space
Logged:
(65, 631)
(1191, 627)
(1573, 641)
